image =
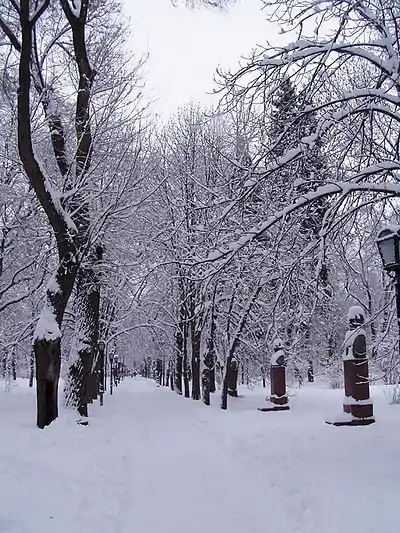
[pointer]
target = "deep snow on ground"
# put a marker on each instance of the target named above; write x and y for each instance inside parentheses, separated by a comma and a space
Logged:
(153, 462)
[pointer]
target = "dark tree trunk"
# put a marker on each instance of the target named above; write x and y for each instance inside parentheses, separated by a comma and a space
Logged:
(196, 341)
(14, 369)
(159, 371)
(47, 355)
(263, 376)
(80, 382)
(185, 362)
(213, 386)
(96, 376)
(171, 375)
(310, 372)
(88, 292)
(224, 393)
(47, 343)
(210, 364)
(185, 366)
(31, 368)
(206, 375)
(229, 386)
(179, 360)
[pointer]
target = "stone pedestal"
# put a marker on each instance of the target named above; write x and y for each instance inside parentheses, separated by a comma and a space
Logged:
(278, 401)
(357, 404)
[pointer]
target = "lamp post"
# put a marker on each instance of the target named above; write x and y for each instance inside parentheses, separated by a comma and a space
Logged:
(101, 346)
(388, 242)
(111, 373)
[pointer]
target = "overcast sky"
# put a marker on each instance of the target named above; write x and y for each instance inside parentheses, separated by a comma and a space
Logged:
(185, 47)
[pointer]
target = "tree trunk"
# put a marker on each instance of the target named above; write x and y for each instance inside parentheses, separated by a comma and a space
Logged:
(185, 368)
(310, 372)
(95, 376)
(263, 376)
(196, 341)
(80, 384)
(171, 375)
(208, 374)
(159, 371)
(230, 379)
(179, 360)
(31, 368)
(229, 386)
(47, 355)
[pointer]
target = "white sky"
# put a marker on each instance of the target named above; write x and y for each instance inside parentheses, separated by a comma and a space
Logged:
(185, 47)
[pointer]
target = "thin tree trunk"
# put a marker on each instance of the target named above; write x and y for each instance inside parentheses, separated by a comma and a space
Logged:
(31, 368)
(159, 371)
(230, 378)
(196, 342)
(179, 359)
(14, 369)
(185, 364)
(209, 364)
(171, 374)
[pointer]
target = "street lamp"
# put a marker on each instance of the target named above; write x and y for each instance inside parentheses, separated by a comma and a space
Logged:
(388, 242)
(101, 345)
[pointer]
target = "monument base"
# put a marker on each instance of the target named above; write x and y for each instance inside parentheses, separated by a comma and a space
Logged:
(270, 406)
(345, 419)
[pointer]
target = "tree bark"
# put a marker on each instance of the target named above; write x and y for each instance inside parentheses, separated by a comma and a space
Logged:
(229, 386)
(47, 376)
(209, 361)
(47, 344)
(232, 371)
(185, 363)
(196, 342)
(31, 368)
(80, 385)
(179, 360)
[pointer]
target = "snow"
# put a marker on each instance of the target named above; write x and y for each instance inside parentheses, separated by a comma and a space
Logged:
(278, 342)
(349, 339)
(342, 188)
(349, 400)
(76, 7)
(389, 228)
(53, 285)
(151, 461)
(47, 327)
(275, 356)
(354, 312)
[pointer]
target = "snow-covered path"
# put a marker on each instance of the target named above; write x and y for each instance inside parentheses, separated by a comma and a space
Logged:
(151, 461)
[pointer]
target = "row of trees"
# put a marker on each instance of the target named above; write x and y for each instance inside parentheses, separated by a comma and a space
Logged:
(191, 246)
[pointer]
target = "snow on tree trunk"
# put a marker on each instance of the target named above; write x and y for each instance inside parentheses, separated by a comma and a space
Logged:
(83, 355)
